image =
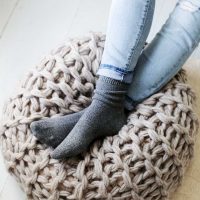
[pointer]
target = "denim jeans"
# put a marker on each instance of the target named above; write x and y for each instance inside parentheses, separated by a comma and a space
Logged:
(148, 70)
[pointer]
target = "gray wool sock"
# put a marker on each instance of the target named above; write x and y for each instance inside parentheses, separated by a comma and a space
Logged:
(53, 131)
(104, 117)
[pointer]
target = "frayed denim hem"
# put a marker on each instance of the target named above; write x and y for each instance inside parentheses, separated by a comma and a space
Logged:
(130, 104)
(115, 73)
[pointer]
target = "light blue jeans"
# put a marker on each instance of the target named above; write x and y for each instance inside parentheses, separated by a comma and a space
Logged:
(150, 69)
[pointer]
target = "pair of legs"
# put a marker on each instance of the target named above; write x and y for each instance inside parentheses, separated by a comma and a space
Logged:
(128, 28)
(128, 74)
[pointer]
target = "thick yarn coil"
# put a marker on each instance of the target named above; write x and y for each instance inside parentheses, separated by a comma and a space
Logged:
(146, 160)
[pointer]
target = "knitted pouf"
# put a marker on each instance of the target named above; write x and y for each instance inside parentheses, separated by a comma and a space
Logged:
(145, 160)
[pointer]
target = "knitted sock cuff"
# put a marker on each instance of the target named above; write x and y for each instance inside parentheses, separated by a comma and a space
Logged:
(110, 91)
(111, 84)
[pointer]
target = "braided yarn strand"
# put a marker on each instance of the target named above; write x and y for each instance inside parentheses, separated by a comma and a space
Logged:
(146, 160)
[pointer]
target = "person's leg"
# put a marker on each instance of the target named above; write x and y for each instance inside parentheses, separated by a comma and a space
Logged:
(166, 53)
(128, 27)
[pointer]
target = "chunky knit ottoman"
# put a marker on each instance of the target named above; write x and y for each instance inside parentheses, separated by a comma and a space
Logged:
(145, 160)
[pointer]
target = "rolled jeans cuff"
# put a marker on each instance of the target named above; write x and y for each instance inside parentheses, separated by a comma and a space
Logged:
(116, 73)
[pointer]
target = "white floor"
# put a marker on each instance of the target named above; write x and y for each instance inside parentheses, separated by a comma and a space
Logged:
(31, 28)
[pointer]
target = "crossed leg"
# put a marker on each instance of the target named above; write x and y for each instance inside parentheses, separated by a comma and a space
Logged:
(157, 64)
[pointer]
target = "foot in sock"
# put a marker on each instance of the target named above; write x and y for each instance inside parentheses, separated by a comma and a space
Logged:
(104, 117)
(54, 130)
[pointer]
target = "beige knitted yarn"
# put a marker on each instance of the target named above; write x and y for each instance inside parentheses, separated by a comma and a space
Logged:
(145, 160)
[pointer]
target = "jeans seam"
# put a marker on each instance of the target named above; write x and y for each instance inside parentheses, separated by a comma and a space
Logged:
(132, 102)
(144, 20)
